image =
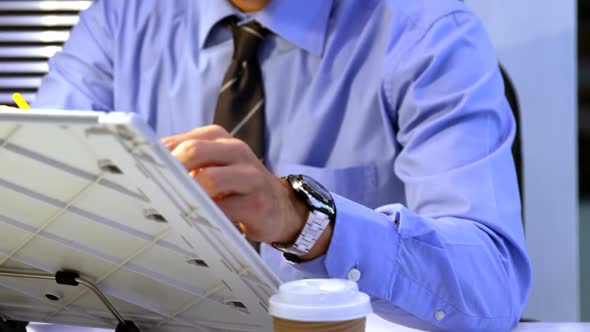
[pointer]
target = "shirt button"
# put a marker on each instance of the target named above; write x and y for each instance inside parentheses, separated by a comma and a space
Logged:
(439, 315)
(353, 275)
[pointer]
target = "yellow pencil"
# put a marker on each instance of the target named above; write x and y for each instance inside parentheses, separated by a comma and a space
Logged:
(20, 101)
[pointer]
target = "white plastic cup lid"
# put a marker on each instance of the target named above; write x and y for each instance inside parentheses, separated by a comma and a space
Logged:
(320, 300)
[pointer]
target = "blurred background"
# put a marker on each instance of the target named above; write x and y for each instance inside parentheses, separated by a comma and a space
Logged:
(543, 45)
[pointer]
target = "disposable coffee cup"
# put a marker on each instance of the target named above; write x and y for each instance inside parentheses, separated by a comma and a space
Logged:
(320, 305)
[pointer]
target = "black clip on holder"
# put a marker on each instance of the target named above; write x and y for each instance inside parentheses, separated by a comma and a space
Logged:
(12, 326)
(69, 278)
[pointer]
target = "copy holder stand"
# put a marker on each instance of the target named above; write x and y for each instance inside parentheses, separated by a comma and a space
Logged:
(100, 226)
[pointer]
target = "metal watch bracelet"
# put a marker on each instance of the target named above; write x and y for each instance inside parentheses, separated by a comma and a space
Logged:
(315, 225)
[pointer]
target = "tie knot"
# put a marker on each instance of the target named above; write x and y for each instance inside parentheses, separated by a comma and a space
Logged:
(247, 40)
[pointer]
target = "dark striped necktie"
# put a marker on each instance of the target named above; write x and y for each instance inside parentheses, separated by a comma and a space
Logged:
(240, 106)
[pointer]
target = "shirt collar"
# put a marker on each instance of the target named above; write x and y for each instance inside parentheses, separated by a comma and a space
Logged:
(301, 22)
(210, 13)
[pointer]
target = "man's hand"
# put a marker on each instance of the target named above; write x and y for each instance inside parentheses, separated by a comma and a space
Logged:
(262, 204)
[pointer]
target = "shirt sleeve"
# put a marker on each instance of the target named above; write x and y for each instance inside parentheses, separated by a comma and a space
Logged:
(453, 257)
(81, 75)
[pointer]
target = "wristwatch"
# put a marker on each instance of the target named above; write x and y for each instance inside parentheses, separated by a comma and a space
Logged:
(322, 212)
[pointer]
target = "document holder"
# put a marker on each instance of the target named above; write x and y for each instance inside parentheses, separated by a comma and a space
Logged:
(100, 226)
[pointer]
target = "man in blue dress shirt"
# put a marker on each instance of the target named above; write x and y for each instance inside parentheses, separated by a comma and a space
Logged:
(396, 107)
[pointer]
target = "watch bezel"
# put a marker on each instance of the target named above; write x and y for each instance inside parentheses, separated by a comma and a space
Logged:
(303, 186)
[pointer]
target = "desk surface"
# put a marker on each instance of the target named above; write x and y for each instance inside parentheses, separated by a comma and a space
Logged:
(554, 327)
(375, 324)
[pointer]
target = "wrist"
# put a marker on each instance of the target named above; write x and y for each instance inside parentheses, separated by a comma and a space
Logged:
(321, 246)
(295, 218)
(308, 223)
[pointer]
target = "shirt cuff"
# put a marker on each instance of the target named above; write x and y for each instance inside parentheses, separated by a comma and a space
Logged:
(313, 269)
(363, 248)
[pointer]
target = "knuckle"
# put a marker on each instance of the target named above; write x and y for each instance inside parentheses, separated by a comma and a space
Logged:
(217, 131)
(235, 143)
(210, 180)
(192, 147)
(239, 147)
(252, 172)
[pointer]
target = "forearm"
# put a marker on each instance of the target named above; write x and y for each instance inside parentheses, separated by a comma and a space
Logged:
(81, 76)
(449, 274)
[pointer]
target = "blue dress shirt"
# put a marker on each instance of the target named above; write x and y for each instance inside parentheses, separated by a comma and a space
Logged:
(396, 106)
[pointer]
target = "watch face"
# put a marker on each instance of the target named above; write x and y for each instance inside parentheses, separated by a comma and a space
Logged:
(316, 189)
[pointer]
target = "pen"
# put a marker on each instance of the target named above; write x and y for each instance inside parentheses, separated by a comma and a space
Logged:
(20, 101)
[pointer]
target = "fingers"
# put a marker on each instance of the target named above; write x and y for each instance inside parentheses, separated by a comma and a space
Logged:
(211, 132)
(222, 181)
(230, 173)
(196, 153)
(241, 192)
